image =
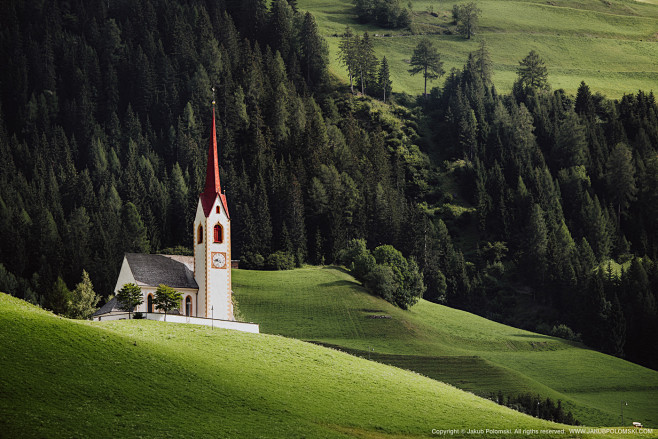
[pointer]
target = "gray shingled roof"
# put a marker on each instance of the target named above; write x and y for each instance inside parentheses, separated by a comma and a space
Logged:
(111, 306)
(159, 269)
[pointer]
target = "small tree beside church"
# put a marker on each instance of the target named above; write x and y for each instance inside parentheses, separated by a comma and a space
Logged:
(83, 300)
(166, 299)
(129, 296)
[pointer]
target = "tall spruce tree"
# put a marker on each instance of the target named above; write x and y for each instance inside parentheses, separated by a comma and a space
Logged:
(384, 82)
(135, 238)
(483, 63)
(348, 50)
(366, 61)
(314, 51)
(620, 177)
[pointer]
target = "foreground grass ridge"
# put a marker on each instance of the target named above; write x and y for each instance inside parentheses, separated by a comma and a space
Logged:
(64, 378)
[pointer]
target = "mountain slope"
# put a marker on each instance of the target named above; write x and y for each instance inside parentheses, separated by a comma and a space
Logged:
(610, 45)
(329, 306)
(64, 378)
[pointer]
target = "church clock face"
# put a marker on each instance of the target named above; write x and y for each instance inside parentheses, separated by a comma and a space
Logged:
(219, 260)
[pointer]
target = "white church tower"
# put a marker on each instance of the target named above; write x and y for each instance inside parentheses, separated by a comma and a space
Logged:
(212, 242)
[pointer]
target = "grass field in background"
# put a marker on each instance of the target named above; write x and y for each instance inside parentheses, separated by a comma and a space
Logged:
(327, 306)
(140, 378)
(611, 45)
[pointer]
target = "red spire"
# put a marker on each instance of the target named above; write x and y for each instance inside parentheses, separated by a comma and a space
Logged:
(213, 188)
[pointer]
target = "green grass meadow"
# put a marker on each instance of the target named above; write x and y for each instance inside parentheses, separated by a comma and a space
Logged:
(327, 306)
(66, 378)
(611, 45)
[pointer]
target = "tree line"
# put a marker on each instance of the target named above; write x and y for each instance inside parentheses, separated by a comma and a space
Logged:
(535, 405)
(385, 13)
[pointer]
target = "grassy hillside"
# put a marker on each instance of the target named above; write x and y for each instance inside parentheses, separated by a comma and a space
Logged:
(611, 45)
(64, 378)
(328, 306)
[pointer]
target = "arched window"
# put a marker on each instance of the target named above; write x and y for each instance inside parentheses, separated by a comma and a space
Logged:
(199, 238)
(188, 306)
(219, 233)
(149, 303)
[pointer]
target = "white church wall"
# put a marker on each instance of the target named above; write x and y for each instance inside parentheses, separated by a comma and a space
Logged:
(146, 290)
(200, 260)
(253, 328)
(218, 279)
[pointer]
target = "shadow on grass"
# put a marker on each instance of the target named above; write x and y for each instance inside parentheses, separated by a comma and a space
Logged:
(339, 283)
(338, 268)
(537, 336)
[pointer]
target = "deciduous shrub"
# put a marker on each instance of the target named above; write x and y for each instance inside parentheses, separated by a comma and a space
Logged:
(280, 260)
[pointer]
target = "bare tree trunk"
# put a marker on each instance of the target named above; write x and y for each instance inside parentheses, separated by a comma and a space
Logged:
(425, 76)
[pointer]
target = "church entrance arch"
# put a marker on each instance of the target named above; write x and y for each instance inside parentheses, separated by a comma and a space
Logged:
(149, 303)
(188, 306)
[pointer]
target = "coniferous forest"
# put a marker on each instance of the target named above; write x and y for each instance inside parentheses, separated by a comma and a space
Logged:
(537, 208)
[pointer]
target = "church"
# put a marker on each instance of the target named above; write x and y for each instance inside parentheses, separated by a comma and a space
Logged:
(203, 279)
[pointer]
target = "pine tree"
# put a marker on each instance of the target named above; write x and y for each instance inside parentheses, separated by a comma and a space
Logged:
(426, 60)
(620, 177)
(135, 238)
(366, 61)
(532, 72)
(570, 143)
(468, 130)
(78, 235)
(263, 220)
(295, 219)
(178, 207)
(83, 299)
(384, 79)
(58, 297)
(348, 49)
(536, 244)
(584, 103)
(468, 18)
(281, 27)
(314, 51)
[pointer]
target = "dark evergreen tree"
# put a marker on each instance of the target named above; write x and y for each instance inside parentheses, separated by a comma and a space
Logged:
(620, 177)
(384, 82)
(314, 51)
(348, 50)
(366, 61)
(134, 234)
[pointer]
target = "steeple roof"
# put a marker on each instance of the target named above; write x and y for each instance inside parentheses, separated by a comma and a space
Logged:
(213, 188)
